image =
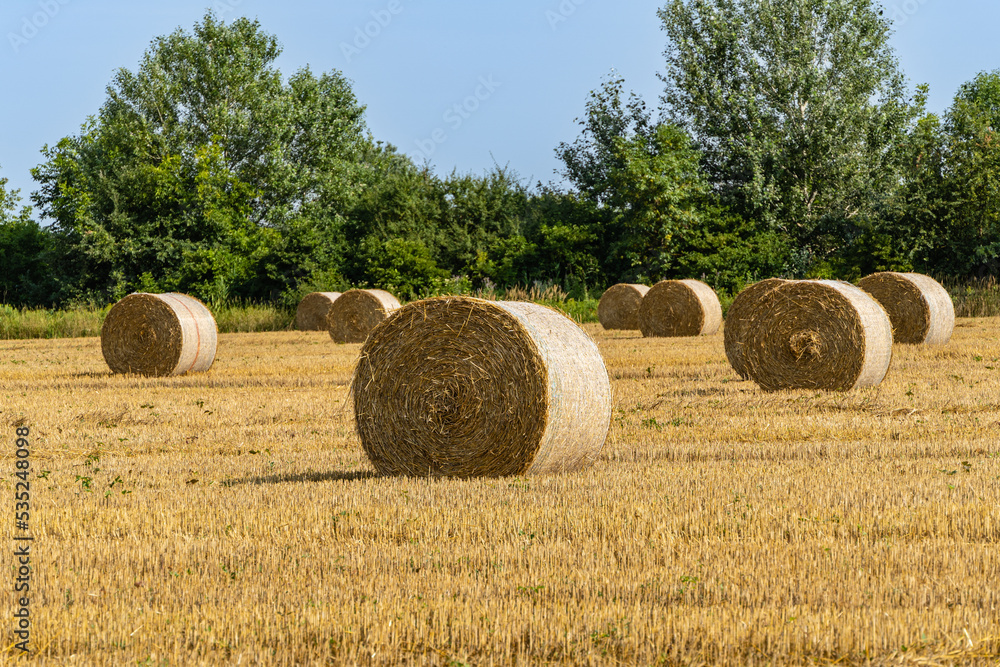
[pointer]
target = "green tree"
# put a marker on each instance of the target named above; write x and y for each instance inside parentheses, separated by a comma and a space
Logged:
(654, 214)
(945, 218)
(25, 273)
(396, 215)
(448, 226)
(558, 242)
(205, 172)
(590, 159)
(10, 205)
(798, 107)
(403, 267)
(596, 165)
(477, 212)
(912, 223)
(668, 224)
(970, 244)
(657, 195)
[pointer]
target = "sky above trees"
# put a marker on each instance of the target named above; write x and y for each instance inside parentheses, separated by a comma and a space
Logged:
(465, 85)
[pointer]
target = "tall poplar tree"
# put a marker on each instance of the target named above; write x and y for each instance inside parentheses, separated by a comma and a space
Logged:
(798, 106)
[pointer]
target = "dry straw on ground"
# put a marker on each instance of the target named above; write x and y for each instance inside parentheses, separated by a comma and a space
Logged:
(919, 308)
(313, 310)
(680, 308)
(619, 306)
(739, 318)
(463, 387)
(159, 335)
(355, 313)
(246, 525)
(818, 334)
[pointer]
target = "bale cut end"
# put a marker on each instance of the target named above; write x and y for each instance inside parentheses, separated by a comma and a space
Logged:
(619, 306)
(919, 307)
(463, 387)
(313, 310)
(355, 313)
(818, 334)
(680, 308)
(159, 335)
(740, 317)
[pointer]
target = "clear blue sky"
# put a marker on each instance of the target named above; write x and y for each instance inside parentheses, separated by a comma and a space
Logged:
(539, 58)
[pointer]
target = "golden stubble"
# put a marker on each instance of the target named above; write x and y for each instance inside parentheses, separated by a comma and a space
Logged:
(231, 517)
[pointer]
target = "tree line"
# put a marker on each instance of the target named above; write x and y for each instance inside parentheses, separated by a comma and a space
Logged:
(786, 143)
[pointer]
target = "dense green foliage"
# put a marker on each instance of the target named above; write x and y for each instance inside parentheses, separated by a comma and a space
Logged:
(797, 107)
(945, 217)
(656, 214)
(24, 252)
(787, 144)
(205, 173)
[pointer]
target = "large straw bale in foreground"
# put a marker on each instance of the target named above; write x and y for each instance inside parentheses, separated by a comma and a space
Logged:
(619, 306)
(919, 308)
(739, 317)
(159, 335)
(818, 334)
(462, 387)
(355, 313)
(313, 310)
(680, 308)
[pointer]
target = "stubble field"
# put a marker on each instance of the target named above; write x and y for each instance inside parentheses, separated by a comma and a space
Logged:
(232, 518)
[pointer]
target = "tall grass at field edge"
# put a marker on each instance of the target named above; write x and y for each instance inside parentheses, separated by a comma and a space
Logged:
(84, 321)
(972, 298)
(70, 323)
(978, 297)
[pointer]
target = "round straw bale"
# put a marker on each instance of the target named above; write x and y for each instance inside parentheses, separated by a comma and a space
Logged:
(680, 308)
(313, 309)
(463, 387)
(739, 317)
(355, 313)
(817, 334)
(159, 335)
(919, 308)
(619, 306)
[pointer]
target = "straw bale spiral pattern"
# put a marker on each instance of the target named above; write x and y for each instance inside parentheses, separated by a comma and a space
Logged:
(919, 308)
(619, 306)
(355, 313)
(159, 335)
(463, 387)
(680, 308)
(313, 310)
(817, 334)
(739, 318)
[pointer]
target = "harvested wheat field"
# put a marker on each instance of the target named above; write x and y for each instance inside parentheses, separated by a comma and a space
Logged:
(231, 517)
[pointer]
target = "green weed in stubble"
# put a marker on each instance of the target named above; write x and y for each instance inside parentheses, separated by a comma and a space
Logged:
(117, 481)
